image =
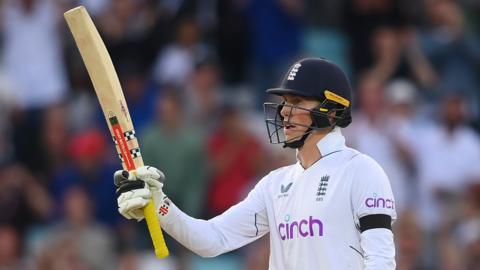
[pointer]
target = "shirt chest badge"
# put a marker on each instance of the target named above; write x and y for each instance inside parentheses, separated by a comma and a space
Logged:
(322, 188)
(284, 190)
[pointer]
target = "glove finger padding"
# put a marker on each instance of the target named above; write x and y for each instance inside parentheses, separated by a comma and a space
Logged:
(152, 176)
(133, 214)
(136, 214)
(131, 203)
(119, 177)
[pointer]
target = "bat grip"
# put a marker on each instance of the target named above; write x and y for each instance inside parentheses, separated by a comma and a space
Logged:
(150, 213)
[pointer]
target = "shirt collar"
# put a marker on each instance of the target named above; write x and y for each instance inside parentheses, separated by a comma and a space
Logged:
(333, 141)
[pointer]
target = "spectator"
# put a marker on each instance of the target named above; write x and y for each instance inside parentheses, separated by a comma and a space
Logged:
(408, 239)
(460, 236)
(203, 96)
(273, 49)
(39, 79)
(63, 253)
(42, 81)
(235, 158)
(468, 231)
(131, 260)
(453, 51)
(7, 108)
(397, 54)
(93, 243)
(133, 31)
(23, 200)
(55, 134)
(369, 133)
(10, 249)
(447, 155)
(233, 40)
(140, 94)
(89, 168)
(172, 144)
(175, 64)
(362, 18)
(404, 119)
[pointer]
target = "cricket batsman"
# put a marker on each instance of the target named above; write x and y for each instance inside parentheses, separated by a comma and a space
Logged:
(332, 209)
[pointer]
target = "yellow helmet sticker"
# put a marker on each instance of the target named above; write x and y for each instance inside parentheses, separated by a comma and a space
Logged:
(336, 98)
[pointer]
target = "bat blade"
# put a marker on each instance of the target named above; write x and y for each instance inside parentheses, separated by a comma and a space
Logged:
(110, 95)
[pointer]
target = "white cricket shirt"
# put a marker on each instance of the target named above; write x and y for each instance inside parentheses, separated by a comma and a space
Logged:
(312, 214)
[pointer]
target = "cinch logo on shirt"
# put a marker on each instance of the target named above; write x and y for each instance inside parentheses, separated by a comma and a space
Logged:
(302, 228)
(374, 202)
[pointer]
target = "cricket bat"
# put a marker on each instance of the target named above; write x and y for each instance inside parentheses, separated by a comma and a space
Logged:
(109, 92)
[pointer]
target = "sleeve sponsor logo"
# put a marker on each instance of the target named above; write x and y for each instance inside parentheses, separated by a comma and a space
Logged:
(379, 202)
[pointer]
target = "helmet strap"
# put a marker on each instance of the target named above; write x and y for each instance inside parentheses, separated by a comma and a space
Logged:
(298, 143)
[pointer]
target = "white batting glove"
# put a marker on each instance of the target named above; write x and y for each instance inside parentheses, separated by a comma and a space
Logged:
(136, 188)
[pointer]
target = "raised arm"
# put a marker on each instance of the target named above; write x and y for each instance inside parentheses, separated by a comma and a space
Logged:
(238, 226)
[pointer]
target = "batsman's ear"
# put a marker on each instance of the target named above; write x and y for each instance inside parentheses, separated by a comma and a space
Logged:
(119, 177)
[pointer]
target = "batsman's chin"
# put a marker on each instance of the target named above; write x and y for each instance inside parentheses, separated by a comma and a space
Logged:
(292, 134)
(289, 139)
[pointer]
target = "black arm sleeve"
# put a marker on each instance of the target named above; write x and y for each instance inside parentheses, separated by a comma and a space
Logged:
(375, 221)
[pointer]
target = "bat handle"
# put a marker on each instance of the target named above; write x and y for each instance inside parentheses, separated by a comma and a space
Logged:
(150, 213)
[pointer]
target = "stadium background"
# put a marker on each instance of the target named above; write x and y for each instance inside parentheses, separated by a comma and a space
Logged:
(194, 75)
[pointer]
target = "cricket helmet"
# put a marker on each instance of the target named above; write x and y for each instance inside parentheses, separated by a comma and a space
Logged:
(315, 78)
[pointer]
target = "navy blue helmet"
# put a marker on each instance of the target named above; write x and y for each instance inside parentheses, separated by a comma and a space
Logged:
(319, 79)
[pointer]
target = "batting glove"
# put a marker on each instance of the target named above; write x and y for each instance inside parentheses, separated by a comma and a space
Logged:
(136, 188)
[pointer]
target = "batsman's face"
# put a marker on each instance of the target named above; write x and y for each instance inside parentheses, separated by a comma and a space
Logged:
(296, 117)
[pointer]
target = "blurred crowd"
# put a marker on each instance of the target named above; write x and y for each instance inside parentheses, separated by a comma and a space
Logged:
(194, 73)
